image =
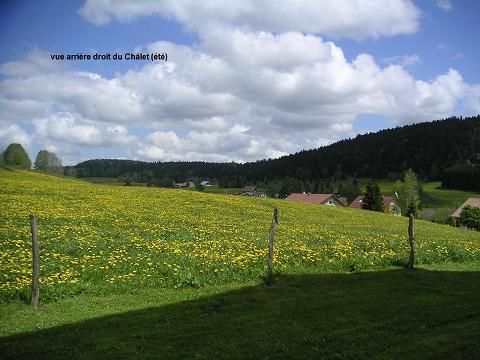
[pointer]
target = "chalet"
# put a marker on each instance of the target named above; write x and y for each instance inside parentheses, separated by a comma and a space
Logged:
(320, 199)
(473, 202)
(389, 204)
(253, 191)
(185, 185)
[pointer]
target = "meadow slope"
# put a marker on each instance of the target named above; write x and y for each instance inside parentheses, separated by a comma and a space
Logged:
(111, 239)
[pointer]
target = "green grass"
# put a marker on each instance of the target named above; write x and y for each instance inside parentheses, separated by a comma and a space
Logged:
(215, 189)
(109, 181)
(101, 239)
(435, 195)
(153, 273)
(422, 314)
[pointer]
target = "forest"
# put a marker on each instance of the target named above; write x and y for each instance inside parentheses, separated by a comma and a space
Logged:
(447, 150)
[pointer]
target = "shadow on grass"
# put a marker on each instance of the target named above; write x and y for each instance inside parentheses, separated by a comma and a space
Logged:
(390, 314)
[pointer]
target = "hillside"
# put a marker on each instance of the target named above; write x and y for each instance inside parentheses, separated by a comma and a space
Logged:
(107, 239)
(129, 272)
(447, 150)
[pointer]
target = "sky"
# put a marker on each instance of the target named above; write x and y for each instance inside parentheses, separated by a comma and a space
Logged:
(243, 80)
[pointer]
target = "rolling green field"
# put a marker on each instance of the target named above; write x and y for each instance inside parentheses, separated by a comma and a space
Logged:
(181, 271)
(102, 239)
(435, 195)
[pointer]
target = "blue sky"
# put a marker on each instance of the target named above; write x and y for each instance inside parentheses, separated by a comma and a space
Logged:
(238, 85)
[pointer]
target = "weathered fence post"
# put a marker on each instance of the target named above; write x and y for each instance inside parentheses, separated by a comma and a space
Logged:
(36, 268)
(411, 239)
(270, 247)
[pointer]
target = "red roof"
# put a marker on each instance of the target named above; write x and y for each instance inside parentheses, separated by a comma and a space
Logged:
(312, 198)
(357, 203)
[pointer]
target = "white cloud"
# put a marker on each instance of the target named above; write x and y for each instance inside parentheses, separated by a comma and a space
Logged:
(35, 61)
(13, 134)
(445, 5)
(239, 94)
(238, 143)
(72, 129)
(349, 18)
(472, 99)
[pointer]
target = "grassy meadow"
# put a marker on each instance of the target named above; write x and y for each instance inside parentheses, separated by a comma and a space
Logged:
(130, 272)
(103, 239)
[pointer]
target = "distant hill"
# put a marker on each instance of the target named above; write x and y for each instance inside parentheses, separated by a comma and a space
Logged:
(446, 150)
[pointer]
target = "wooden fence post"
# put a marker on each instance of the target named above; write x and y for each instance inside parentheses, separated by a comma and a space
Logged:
(270, 247)
(36, 268)
(411, 239)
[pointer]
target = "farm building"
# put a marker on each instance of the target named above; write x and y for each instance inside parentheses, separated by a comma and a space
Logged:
(187, 184)
(388, 203)
(473, 202)
(321, 199)
(253, 191)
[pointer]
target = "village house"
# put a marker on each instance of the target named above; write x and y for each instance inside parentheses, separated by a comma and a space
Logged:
(253, 191)
(320, 199)
(185, 185)
(206, 183)
(473, 202)
(389, 204)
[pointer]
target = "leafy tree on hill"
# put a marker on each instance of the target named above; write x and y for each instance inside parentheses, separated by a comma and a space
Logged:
(372, 198)
(407, 193)
(470, 217)
(15, 155)
(47, 161)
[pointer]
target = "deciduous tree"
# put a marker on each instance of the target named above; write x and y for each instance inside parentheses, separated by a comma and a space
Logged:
(15, 155)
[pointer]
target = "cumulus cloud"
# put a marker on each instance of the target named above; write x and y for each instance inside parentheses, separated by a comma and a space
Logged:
(238, 143)
(251, 88)
(72, 129)
(67, 90)
(215, 102)
(34, 62)
(13, 134)
(348, 18)
(472, 99)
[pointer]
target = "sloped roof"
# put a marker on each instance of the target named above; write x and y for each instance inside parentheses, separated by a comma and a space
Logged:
(475, 202)
(357, 203)
(311, 198)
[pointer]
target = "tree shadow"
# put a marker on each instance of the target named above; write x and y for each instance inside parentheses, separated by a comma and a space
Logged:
(389, 314)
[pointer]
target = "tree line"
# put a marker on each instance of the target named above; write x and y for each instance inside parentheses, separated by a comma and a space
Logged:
(447, 150)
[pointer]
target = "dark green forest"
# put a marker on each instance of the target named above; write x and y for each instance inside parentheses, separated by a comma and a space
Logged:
(447, 150)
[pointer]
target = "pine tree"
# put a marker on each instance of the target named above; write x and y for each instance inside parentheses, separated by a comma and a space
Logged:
(372, 198)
